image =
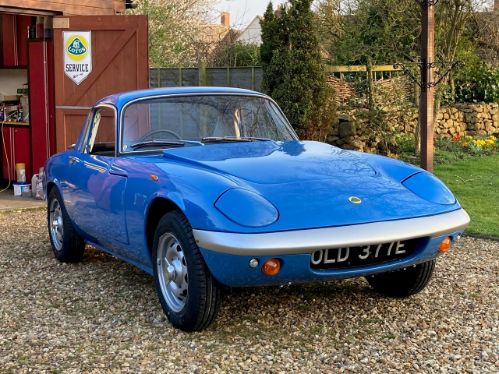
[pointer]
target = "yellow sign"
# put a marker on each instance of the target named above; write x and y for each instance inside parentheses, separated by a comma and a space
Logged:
(77, 47)
(77, 55)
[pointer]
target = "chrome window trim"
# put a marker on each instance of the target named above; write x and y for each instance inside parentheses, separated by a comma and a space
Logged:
(308, 241)
(82, 137)
(123, 109)
(91, 125)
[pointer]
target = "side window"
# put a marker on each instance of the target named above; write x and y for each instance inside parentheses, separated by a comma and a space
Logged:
(102, 136)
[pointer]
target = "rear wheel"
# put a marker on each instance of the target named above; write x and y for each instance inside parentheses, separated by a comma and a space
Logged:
(404, 282)
(189, 295)
(67, 245)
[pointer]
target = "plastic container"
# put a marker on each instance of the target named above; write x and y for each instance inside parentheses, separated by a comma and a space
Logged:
(37, 186)
(34, 182)
(21, 172)
(22, 189)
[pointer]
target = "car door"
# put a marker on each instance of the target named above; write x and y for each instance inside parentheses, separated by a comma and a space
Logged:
(95, 189)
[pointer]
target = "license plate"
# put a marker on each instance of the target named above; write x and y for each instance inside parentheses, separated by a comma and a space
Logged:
(361, 256)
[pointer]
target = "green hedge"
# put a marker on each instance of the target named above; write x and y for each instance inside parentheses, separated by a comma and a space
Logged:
(478, 83)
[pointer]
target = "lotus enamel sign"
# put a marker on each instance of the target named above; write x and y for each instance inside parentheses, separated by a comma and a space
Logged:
(77, 55)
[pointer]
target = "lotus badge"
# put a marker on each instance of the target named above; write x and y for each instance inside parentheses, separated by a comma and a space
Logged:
(354, 200)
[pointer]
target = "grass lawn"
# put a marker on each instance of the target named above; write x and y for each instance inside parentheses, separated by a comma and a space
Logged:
(475, 182)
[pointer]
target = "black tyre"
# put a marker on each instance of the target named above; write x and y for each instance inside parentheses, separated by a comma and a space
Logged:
(67, 245)
(404, 282)
(189, 295)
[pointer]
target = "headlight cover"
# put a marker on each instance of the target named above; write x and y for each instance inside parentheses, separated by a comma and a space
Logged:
(430, 188)
(246, 208)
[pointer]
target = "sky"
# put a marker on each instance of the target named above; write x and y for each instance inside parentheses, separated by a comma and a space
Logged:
(243, 11)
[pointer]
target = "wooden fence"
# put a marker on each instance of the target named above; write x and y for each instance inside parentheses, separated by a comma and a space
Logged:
(243, 77)
(250, 77)
(379, 71)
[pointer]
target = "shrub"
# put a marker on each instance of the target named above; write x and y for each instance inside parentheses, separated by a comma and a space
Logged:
(293, 71)
(477, 83)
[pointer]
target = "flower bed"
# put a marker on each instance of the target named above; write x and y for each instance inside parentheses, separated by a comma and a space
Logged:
(449, 150)
(477, 145)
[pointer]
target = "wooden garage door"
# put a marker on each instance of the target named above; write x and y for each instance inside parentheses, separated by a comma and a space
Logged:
(119, 59)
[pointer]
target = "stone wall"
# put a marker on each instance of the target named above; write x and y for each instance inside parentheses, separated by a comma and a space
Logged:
(470, 119)
(355, 130)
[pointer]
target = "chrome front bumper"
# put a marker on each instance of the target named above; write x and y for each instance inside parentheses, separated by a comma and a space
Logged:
(307, 241)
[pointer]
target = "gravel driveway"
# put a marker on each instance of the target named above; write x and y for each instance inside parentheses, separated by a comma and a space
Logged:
(103, 315)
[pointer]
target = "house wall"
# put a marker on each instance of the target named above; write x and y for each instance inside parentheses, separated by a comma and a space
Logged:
(11, 80)
(68, 7)
(252, 34)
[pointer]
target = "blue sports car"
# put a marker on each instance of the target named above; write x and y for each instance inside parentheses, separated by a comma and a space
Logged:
(211, 187)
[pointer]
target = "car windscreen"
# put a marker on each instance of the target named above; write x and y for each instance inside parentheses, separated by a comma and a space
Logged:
(180, 120)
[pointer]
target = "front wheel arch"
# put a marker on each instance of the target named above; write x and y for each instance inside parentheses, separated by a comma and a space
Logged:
(157, 209)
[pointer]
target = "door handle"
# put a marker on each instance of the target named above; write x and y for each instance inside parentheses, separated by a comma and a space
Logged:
(73, 160)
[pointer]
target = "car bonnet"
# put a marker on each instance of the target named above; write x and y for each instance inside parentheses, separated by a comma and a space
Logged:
(311, 184)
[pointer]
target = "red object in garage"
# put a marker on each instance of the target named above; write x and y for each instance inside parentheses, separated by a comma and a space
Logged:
(23, 23)
(41, 87)
(17, 141)
(9, 40)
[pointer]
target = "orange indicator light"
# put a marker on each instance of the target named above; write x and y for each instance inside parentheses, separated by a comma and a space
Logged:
(271, 267)
(445, 245)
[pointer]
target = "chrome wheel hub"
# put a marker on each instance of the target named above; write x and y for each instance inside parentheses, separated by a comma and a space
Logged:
(171, 268)
(56, 224)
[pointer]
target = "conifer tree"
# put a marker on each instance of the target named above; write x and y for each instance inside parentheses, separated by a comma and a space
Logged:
(293, 71)
(270, 43)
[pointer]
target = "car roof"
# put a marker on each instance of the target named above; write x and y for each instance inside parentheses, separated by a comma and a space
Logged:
(120, 99)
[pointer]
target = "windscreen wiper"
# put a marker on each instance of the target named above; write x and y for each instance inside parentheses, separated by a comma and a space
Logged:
(215, 139)
(164, 143)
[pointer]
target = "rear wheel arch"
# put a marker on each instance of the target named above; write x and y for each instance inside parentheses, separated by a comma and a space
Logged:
(50, 186)
(67, 244)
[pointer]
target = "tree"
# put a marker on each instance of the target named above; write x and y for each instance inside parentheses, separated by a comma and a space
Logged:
(376, 31)
(330, 22)
(453, 18)
(388, 31)
(274, 41)
(236, 54)
(293, 71)
(175, 27)
(483, 30)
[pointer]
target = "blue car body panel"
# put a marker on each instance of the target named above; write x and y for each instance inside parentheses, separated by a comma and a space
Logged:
(249, 188)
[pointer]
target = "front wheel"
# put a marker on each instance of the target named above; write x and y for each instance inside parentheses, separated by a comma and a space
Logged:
(404, 282)
(189, 295)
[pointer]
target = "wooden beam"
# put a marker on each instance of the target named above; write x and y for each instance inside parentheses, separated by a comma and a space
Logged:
(427, 101)
(68, 7)
(359, 68)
